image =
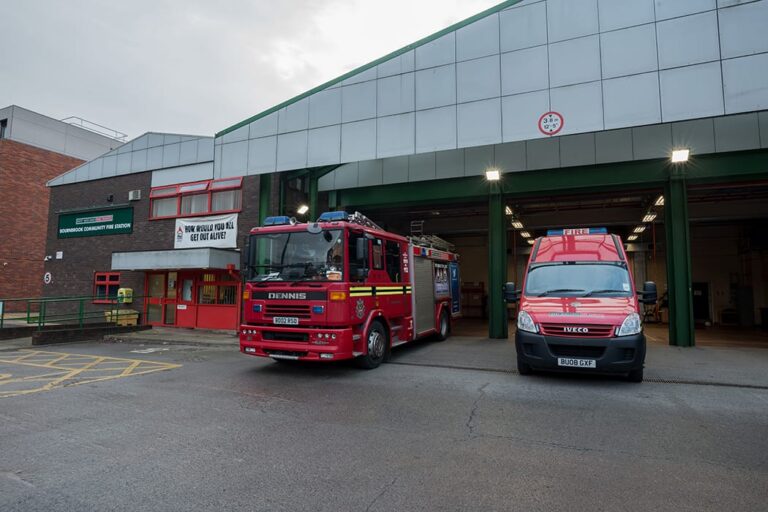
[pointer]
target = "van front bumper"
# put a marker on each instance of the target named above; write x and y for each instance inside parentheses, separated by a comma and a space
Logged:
(611, 355)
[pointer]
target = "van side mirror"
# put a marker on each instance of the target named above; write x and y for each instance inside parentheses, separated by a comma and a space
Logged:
(649, 295)
(510, 293)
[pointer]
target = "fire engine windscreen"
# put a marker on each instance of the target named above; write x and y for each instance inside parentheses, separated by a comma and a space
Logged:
(296, 256)
(569, 279)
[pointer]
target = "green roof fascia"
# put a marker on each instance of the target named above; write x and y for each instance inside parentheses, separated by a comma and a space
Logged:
(396, 53)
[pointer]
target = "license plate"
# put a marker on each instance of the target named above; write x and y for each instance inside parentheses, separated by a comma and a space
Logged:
(285, 320)
(576, 363)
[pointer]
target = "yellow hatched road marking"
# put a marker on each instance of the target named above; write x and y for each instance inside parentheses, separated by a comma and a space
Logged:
(69, 370)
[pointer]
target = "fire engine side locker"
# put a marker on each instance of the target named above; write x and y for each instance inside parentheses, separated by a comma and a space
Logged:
(423, 294)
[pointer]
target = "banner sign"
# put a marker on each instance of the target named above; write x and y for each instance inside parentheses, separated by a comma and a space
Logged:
(218, 231)
(116, 221)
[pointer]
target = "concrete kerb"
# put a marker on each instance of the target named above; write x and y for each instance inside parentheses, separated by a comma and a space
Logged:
(163, 336)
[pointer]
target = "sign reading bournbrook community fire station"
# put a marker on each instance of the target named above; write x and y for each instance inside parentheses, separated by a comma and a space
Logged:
(218, 231)
(116, 221)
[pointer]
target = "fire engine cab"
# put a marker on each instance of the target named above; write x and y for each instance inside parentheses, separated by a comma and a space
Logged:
(578, 307)
(343, 288)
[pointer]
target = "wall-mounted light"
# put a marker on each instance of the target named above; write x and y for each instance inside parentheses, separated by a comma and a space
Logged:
(525, 234)
(649, 217)
(302, 209)
(680, 155)
(517, 224)
(493, 174)
(631, 238)
(508, 210)
(639, 229)
(531, 242)
(659, 201)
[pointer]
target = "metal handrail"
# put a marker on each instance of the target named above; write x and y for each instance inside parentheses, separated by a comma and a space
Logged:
(42, 317)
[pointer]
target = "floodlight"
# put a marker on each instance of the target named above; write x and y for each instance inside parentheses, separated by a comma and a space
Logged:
(302, 209)
(680, 155)
(493, 174)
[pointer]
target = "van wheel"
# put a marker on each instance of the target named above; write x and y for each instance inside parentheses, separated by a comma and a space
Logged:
(635, 376)
(444, 329)
(523, 368)
(376, 341)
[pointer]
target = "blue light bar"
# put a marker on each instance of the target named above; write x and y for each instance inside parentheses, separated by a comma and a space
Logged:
(333, 216)
(277, 221)
(577, 231)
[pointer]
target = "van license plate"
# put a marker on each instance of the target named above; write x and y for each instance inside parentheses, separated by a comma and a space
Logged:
(576, 363)
(285, 320)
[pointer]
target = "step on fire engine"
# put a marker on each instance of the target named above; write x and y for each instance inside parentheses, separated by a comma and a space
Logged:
(343, 288)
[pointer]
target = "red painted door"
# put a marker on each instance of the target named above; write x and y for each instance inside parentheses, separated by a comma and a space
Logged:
(186, 305)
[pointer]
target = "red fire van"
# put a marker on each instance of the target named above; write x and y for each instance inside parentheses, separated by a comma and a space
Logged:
(578, 309)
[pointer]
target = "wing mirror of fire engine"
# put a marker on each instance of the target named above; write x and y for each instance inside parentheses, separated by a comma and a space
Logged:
(511, 294)
(649, 295)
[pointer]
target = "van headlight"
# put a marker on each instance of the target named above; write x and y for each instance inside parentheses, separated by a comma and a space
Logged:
(631, 325)
(525, 322)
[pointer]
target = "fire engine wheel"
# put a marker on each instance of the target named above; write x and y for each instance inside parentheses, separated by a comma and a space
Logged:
(444, 329)
(376, 341)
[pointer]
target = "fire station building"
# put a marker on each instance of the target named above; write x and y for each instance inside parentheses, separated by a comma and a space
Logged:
(647, 117)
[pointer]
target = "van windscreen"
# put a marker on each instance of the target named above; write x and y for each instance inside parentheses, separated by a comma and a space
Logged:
(578, 279)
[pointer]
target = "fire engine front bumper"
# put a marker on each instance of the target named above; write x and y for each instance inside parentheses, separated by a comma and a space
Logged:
(296, 343)
(610, 355)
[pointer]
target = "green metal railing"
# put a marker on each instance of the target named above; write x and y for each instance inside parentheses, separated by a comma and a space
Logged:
(72, 310)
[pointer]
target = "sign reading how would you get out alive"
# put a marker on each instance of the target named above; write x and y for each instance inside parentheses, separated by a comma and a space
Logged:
(218, 231)
(116, 221)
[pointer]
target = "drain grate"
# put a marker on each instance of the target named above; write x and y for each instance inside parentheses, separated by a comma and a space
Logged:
(655, 380)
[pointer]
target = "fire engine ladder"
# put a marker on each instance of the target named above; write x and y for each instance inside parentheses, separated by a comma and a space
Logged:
(359, 218)
(433, 242)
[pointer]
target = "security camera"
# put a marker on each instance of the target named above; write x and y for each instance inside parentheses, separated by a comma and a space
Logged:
(47, 258)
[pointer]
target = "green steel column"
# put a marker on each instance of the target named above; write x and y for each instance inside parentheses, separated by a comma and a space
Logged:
(497, 265)
(681, 329)
(265, 188)
(313, 213)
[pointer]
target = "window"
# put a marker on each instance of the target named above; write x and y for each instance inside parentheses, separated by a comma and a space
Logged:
(3, 127)
(393, 261)
(378, 260)
(105, 286)
(198, 198)
(218, 289)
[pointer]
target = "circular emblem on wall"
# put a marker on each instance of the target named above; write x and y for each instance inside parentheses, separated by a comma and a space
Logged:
(47, 278)
(360, 308)
(551, 123)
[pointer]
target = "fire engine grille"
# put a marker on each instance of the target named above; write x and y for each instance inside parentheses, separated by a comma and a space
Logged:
(577, 351)
(581, 331)
(285, 336)
(293, 310)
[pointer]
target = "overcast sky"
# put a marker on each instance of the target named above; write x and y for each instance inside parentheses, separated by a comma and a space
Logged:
(196, 66)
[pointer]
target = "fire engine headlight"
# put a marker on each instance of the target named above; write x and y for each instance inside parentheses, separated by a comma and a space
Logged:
(525, 322)
(631, 325)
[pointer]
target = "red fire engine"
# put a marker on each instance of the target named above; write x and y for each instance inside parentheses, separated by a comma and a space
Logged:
(343, 288)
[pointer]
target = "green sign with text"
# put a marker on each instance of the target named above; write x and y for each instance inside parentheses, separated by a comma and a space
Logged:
(116, 221)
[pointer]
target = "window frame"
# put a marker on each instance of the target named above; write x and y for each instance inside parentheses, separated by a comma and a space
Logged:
(110, 279)
(205, 187)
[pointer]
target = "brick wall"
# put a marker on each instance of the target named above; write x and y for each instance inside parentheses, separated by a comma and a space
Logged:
(24, 171)
(73, 275)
